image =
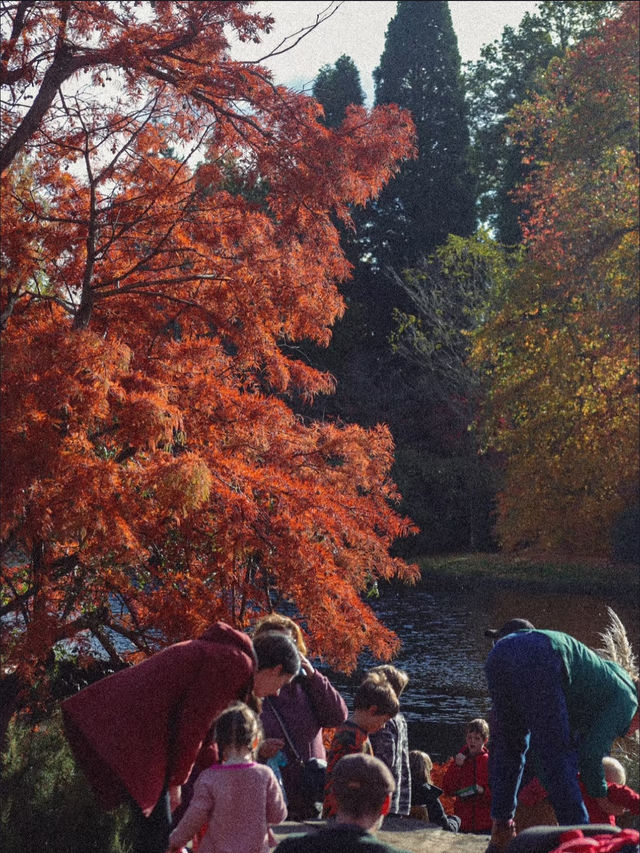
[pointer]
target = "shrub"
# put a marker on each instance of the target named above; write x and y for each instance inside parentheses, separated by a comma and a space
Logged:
(46, 803)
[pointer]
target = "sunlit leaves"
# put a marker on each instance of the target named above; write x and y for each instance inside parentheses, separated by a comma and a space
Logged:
(561, 352)
(170, 229)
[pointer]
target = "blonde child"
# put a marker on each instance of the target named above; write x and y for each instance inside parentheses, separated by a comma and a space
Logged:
(425, 796)
(238, 799)
(374, 703)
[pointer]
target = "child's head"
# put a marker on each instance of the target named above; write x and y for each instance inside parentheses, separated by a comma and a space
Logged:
(477, 734)
(374, 703)
(276, 622)
(420, 765)
(614, 772)
(362, 786)
(237, 729)
(397, 678)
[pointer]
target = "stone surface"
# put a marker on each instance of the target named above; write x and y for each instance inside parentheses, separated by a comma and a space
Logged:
(414, 836)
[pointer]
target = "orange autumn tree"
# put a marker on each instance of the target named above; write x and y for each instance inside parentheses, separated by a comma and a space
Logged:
(561, 348)
(169, 237)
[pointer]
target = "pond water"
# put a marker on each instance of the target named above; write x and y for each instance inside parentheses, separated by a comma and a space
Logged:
(444, 648)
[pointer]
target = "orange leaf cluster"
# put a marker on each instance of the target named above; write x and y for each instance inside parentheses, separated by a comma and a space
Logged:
(169, 237)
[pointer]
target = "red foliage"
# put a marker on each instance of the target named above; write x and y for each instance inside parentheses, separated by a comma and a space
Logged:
(168, 239)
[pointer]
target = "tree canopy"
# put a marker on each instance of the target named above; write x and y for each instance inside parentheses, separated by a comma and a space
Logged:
(508, 71)
(336, 87)
(432, 196)
(156, 477)
(561, 348)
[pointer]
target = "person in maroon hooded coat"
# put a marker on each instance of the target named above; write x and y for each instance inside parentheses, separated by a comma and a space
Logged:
(136, 734)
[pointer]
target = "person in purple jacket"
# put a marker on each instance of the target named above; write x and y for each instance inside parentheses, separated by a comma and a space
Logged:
(294, 720)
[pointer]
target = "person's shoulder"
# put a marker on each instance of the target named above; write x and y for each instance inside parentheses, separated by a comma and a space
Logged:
(262, 770)
(336, 839)
(348, 729)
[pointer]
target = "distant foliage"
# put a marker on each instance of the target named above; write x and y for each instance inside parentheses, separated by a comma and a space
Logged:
(434, 194)
(509, 71)
(560, 350)
(336, 87)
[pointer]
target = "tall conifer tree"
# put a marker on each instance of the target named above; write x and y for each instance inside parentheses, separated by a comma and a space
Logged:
(336, 87)
(433, 195)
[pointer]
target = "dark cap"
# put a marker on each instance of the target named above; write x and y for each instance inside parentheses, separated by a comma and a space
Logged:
(509, 627)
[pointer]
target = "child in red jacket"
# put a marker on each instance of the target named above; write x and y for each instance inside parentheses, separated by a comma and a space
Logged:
(467, 780)
(623, 798)
(626, 799)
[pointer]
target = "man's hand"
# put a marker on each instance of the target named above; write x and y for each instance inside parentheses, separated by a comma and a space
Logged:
(306, 665)
(175, 796)
(610, 808)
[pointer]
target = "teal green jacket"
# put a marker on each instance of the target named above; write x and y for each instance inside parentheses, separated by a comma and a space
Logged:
(601, 701)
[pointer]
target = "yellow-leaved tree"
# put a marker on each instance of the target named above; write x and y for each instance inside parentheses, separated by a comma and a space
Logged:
(559, 351)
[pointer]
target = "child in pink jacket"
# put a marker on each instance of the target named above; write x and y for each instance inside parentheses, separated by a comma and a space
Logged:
(236, 800)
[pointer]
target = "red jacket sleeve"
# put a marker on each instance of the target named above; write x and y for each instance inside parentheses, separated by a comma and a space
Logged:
(453, 778)
(621, 795)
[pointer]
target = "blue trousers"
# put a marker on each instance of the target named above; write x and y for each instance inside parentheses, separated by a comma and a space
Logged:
(526, 680)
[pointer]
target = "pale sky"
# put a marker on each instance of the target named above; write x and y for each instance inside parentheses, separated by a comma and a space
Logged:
(358, 29)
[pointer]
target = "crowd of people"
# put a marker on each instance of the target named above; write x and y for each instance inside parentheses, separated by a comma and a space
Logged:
(214, 740)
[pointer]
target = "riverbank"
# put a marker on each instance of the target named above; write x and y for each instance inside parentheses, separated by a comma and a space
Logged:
(587, 577)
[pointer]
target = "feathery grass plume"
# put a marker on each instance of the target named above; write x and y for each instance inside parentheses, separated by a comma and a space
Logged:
(616, 645)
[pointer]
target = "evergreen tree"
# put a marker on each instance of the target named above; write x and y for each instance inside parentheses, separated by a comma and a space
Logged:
(433, 195)
(430, 198)
(508, 71)
(336, 87)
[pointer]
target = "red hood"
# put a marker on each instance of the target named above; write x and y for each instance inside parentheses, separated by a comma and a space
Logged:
(224, 634)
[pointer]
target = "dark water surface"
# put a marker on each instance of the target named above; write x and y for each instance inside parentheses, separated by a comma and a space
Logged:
(444, 647)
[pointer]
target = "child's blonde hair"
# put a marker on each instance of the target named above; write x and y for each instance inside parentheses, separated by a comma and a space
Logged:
(397, 678)
(277, 622)
(420, 765)
(479, 726)
(376, 690)
(614, 772)
(237, 727)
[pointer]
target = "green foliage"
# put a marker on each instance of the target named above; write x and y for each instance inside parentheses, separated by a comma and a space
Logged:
(448, 486)
(450, 293)
(561, 349)
(46, 805)
(336, 87)
(541, 573)
(450, 494)
(430, 198)
(510, 71)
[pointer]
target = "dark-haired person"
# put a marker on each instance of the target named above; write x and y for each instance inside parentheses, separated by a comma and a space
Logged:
(136, 734)
(552, 693)
(304, 707)
(363, 786)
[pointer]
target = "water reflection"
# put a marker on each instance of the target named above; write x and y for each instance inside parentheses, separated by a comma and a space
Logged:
(444, 648)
